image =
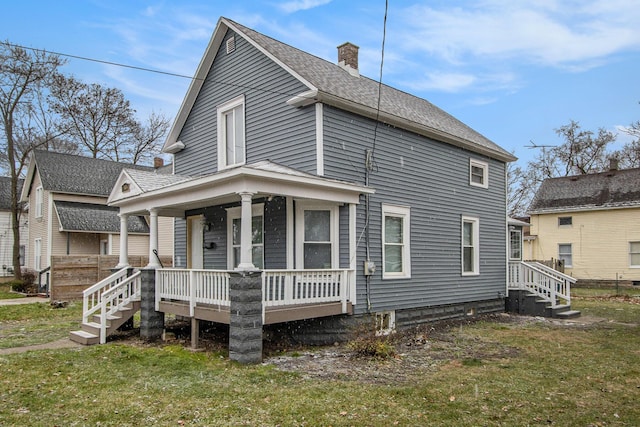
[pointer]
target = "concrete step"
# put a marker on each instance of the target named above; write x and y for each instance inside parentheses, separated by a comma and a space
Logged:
(84, 337)
(568, 314)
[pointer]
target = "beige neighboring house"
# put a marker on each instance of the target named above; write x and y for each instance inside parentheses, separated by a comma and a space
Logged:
(68, 215)
(591, 223)
(6, 229)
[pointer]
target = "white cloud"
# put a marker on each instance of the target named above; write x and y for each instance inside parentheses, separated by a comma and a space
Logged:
(571, 34)
(296, 5)
(441, 81)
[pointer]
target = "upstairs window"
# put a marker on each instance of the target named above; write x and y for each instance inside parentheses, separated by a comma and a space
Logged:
(231, 133)
(565, 221)
(39, 202)
(478, 173)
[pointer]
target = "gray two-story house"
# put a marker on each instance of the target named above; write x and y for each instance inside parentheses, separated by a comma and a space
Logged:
(349, 197)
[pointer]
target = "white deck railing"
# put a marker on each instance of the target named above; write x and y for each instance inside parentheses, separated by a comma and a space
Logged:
(279, 287)
(541, 280)
(108, 296)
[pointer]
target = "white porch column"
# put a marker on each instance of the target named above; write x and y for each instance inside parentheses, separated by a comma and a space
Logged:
(123, 261)
(246, 259)
(153, 239)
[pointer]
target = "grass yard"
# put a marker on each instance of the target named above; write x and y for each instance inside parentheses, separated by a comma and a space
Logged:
(509, 372)
(5, 292)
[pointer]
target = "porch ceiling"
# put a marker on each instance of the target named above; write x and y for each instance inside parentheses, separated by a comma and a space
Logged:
(263, 179)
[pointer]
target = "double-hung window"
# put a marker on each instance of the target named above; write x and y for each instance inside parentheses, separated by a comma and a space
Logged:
(317, 234)
(565, 254)
(37, 254)
(234, 235)
(634, 254)
(396, 252)
(231, 133)
(470, 246)
(39, 202)
(478, 173)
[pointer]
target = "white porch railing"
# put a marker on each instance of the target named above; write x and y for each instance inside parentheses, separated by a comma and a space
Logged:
(108, 296)
(279, 287)
(192, 286)
(541, 280)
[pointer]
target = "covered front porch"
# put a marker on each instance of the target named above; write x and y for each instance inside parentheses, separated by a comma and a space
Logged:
(292, 233)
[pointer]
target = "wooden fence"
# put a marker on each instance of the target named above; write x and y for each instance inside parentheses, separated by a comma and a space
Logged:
(72, 274)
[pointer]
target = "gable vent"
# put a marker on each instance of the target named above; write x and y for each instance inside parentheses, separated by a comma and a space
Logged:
(231, 45)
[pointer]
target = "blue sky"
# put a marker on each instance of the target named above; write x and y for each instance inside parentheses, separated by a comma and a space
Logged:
(512, 70)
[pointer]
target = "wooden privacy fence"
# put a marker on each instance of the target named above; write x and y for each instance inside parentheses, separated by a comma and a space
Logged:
(72, 274)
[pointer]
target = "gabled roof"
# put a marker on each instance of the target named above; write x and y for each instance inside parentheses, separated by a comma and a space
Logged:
(5, 191)
(72, 174)
(331, 84)
(607, 190)
(93, 218)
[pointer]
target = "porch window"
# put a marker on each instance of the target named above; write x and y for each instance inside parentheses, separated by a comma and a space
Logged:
(470, 246)
(257, 236)
(396, 254)
(478, 173)
(37, 254)
(317, 229)
(231, 133)
(515, 245)
(565, 254)
(39, 202)
(634, 254)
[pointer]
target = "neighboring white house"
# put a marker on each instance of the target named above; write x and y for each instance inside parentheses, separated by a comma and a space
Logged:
(6, 229)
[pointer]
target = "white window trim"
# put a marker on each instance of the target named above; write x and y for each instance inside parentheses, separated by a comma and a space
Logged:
(570, 247)
(405, 213)
(334, 233)
(565, 225)
(236, 213)
(476, 245)
(519, 232)
(485, 173)
(222, 149)
(39, 202)
(631, 264)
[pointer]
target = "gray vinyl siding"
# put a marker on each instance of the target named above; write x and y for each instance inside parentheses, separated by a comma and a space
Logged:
(275, 233)
(274, 130)
(180, 243)
(216, 259)
(432, 178)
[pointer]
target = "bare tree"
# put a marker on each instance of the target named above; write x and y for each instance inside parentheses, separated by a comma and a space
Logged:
(102, 123)
(582, 152)
(629, 155)
(22, 75)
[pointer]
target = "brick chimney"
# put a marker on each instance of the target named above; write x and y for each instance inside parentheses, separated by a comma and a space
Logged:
(613, 164)
(348, 57)
(158, 162)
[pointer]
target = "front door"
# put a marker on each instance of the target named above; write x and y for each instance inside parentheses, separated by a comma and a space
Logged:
(195, 254)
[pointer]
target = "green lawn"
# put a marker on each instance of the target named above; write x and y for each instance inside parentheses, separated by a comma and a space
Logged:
(548, 374)
(5, 292)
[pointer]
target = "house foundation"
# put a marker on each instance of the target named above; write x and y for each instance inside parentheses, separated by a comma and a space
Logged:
(245, 325)
(151, 321)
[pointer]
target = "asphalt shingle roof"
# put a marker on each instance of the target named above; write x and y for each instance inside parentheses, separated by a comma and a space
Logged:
(5, 192)
(612, 189)
(94, 218)
(332, 79)
(66, 173)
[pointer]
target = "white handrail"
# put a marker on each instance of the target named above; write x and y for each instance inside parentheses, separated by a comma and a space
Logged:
(549, 284)
(92, 296)
(118, 296)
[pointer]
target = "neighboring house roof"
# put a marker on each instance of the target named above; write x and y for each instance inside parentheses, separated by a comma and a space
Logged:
(607, 190)
(331, 84)
(93, 218)
(72, 174)
(5, 191)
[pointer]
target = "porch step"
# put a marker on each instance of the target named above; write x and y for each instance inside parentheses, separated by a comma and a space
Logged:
(568, 314)
(84, 337)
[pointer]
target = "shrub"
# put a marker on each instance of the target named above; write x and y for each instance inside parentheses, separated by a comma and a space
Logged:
(371, 345)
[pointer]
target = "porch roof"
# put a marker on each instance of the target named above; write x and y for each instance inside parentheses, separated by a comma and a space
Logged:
(137, 191)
